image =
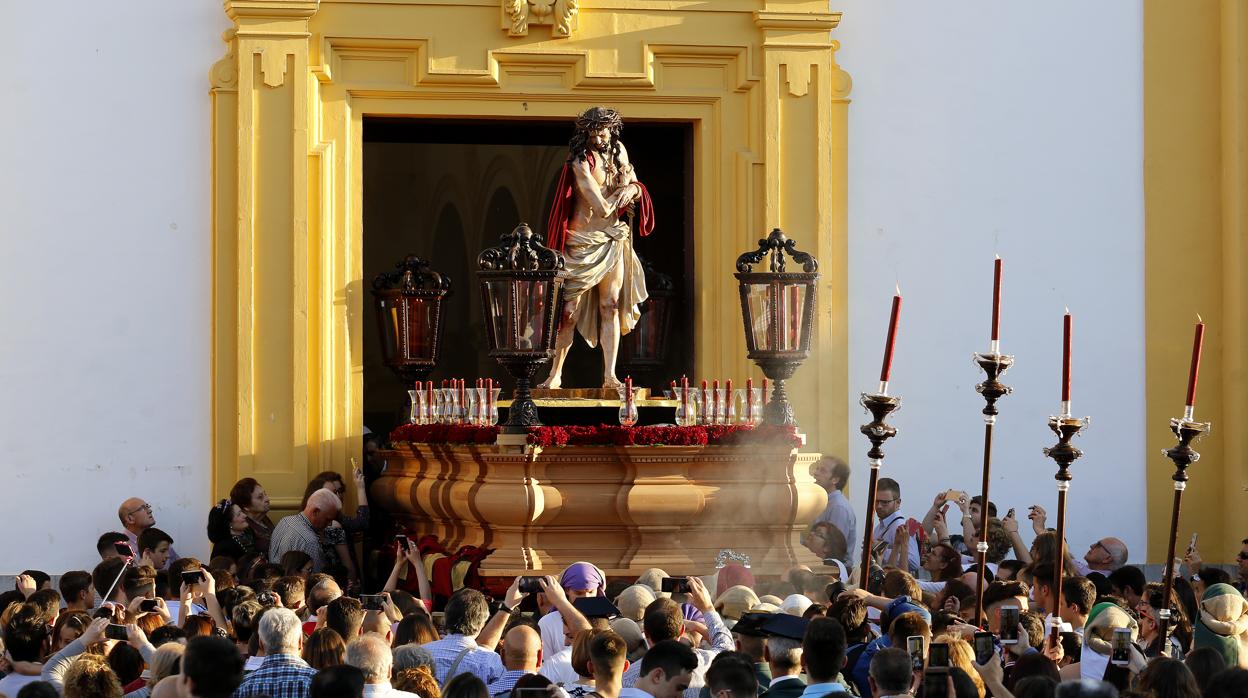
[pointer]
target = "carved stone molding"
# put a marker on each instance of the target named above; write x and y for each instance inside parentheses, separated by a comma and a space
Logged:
(560, 15)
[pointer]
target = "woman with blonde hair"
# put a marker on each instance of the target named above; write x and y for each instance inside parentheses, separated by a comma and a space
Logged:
(166, 662)
(962, 655)
(90, 677)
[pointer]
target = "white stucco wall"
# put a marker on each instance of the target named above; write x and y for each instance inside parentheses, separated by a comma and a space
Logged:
(981, 128)
(105, 289)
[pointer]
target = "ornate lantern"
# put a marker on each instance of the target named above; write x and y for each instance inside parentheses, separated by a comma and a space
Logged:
(645, 348)
(409, 317)
(521, 291)
(777, 307)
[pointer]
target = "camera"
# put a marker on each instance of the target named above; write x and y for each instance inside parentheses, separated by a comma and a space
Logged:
(123, 549)
(1009, 625)
(192, 577)
(372, 602)
(115, 632)
(530, 585)
(149, 605)
(938, 655)
(402, 541)
(675, 585)
(1120, 648)
(983, 647)
(875, 580)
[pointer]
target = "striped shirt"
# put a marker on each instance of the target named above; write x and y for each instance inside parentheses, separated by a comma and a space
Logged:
(482, 663)
(296, 533)
(280, 676)
(503, 684)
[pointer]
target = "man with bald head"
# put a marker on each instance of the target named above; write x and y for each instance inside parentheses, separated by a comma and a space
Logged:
(302, 531)
(1105, 555)
(522, 654)
(136, 516)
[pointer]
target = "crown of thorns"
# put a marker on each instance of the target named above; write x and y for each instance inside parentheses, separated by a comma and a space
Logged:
(598, 117)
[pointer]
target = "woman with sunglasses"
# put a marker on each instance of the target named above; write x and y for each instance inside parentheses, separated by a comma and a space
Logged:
(1150, 628)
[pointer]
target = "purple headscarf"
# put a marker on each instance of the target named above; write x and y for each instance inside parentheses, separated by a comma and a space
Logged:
(583, 575)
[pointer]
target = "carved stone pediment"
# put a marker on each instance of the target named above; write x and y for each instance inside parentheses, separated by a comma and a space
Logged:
(518, 15)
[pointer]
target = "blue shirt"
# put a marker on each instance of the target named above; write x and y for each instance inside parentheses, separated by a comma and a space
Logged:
(482, 663)
(280, 676)
(506, 682)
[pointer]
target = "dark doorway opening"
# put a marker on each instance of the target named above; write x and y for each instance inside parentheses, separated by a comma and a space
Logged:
(444, 190)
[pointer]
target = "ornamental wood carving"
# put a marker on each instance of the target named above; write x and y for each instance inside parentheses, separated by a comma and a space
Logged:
(559, 14)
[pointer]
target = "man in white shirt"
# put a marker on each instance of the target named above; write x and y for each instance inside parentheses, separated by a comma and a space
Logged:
(664, 620)
(832, 474)
(888, 509)
(371, 655)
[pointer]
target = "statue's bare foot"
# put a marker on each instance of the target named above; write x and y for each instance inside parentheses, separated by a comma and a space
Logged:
(612, 382)
(552, 383)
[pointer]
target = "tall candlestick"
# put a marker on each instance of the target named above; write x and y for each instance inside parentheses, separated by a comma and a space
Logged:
(996, 307)
(1066, 328)
(1193, 374)
(889, 343)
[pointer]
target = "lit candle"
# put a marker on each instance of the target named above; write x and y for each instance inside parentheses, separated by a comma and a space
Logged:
(887, 366)
(1193, 374)
(996, 307)
(715, 402)
(628, 390)
(684, 395)
(702, 404)
(1066, 326)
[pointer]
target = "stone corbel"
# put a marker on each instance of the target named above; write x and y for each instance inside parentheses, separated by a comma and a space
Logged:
(561, 15)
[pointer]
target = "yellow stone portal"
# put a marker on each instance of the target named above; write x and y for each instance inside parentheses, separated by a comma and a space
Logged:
(757, 80)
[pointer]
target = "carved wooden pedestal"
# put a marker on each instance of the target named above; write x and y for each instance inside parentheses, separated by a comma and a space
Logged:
(625, 508)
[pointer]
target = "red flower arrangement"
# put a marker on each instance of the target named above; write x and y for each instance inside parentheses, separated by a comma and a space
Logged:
(605, 435)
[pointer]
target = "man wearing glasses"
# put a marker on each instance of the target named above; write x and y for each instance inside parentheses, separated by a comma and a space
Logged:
(1105, 555)
(136, 516)
(888, 509)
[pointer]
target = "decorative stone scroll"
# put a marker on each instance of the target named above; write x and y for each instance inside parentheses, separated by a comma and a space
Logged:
(559, 14)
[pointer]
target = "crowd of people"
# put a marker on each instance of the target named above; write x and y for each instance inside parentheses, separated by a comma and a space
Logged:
(286, 610)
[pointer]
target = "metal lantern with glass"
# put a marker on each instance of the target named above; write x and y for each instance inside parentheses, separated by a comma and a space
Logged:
(777, 307)
(521, 292)
(409, 319)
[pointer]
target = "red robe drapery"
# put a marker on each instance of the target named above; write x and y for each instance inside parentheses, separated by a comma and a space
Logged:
(562, 207)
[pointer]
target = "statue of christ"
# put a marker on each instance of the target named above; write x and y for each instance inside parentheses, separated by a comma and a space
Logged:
(605, 283)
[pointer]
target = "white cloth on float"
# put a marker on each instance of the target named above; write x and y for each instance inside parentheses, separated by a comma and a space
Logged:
(589, 255)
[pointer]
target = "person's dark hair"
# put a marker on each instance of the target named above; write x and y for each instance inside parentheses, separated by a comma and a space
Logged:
(1001, 591)
(1012, 567)
(1168, 677)
(590, 121)
(126, 662)
(815, 609)
(219, 518)
(662, 620)
(1035, 686)
(38, 576)
(1204, 663)
(318, 483)
(1129, 577)
(1180, 626)
(672, 656)
(732, 672)
(293, 562)
(76, 620)
(324, 648)
(242, 491)
(905, 625)
(25, 633)
(1034, 624)
(957, 589)
(992, 507)
(152, 537)
(105, 573)
(1072, 646)
(1101, 582)
(165, 634)
(245, 618)
(963, 685)
(1079, 592)
(38, 689)
(823, 649)
(466, 612)
(941, 620)
(998, 539)
(48, 601)
(406, 603)
(1228, 683)
(213, 666)
(1086, 688)
(340, 681)
(952, 567)
(345, 615)
(465, 685)
(891, 670)
(607, 653)
(291, 591)
(177, 567)
(1187, 596)
(1214, 575)
(417, 628)
(139, 581)
(73, 583)
(1033, 664)
(888, 484)
(529, 681)
(106, 541)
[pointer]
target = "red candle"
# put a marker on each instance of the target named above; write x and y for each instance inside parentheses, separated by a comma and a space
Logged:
(887, 367)
(715, 401)
(1066, 320)
(764, 390)
(444, 384)
(996, 300)
(489, 397)
(1194, 373)
(684, 394)
(702, 404)
(749, 398)
(628, 390)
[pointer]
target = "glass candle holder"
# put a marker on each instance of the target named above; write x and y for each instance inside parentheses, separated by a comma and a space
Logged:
(686, 407)
(752, 406)
(628, 406)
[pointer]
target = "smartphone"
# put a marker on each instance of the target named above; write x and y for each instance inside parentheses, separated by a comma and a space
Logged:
(1010, 514)
(1009, 625)
(1191, 545)
(914, 647)
(675, 585)
(983, 647)
(115, 632)
(192, 577)
(1120, 647)
(875, 580)
(402, 541)
(530, 585)
(148, 605)
(938, 655)
(372, 602)
(123, 549)
(1055, 635)
(935, 684)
